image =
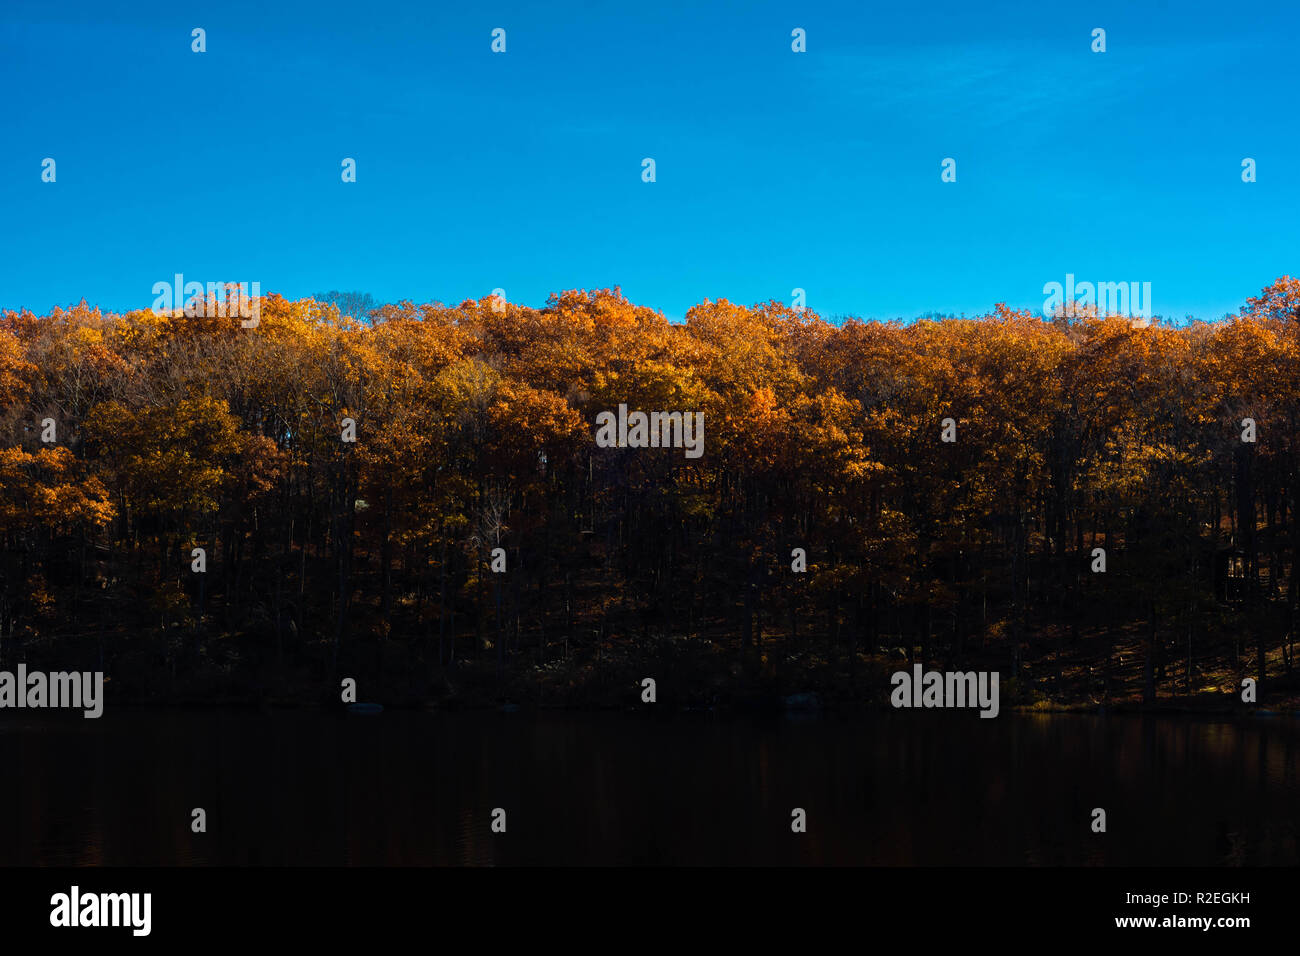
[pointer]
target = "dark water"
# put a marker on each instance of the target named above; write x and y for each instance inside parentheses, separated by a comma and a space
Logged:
(420, 788)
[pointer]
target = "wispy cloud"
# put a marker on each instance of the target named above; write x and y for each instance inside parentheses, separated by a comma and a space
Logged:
(994, 86)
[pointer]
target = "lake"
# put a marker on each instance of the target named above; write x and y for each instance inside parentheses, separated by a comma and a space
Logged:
(419, 788)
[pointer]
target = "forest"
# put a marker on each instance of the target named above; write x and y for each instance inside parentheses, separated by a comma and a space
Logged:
(1103, 511)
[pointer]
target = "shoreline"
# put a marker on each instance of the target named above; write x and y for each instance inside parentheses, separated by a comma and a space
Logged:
(762, 709)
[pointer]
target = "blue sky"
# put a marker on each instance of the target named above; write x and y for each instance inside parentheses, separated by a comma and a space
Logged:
(775, 170)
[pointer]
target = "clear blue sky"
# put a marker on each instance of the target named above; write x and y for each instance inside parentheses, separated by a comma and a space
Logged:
(775, 170)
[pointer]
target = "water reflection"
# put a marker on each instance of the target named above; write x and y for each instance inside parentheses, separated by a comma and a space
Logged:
(417, 789)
